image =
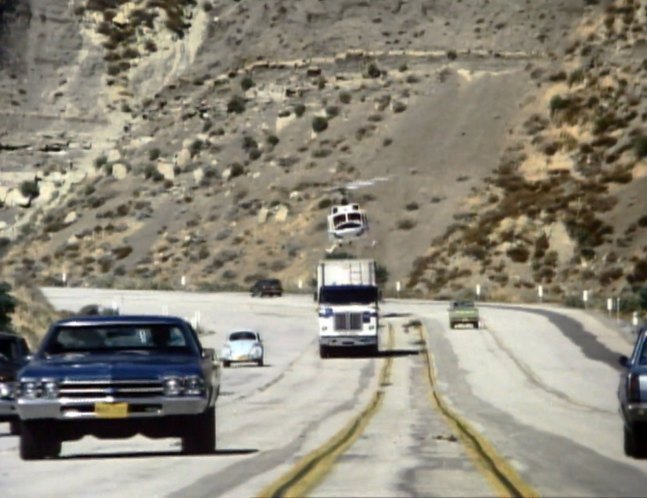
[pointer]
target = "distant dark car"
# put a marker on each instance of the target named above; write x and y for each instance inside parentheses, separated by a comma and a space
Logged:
(13, 356)
(114, 377)
(632, 394)
(267, 287)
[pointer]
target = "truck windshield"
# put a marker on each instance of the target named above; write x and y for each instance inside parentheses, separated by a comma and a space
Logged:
(348, 294)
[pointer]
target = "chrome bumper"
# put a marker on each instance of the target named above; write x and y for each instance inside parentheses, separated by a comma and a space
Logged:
(348, 340)
(75, 409)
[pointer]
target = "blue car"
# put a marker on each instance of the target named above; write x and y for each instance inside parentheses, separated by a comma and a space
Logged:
(632, 394)
(114, 377)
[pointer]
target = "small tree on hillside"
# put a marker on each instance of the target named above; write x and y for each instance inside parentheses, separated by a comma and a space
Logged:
(7, 305)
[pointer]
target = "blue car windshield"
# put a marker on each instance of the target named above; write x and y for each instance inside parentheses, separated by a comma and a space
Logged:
(107, 338)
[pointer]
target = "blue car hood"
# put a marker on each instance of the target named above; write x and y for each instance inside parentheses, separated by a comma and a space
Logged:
(113, 366)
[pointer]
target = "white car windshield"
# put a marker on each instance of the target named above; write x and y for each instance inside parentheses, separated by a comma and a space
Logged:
(242, 336)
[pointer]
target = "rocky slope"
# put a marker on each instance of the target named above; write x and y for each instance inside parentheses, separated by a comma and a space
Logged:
(498, 142)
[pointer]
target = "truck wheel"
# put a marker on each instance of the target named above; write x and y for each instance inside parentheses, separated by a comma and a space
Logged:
(200, 435)
(475, 325)
(260, 362)
(324, 352)
(451, 325)
(14, 427)
(629, 442)
(226, 364)
(38, 442)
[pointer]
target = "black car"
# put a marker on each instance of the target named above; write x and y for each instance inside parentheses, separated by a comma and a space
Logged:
(267, 287)
(14, 352)
(114, 377)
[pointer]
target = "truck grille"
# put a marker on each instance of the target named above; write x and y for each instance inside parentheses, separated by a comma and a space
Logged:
(112, 388)
(348, 321)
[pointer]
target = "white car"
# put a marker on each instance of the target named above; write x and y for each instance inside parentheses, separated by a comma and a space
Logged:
(243, 346)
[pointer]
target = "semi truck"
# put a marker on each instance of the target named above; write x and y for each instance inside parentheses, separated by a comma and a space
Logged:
(347, 304)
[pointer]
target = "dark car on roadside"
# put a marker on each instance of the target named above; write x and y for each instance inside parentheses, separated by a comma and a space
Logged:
(267, 287)
(115, 377)
(632, 394)
(14, 353)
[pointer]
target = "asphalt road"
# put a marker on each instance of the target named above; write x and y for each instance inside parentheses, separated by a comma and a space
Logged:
(538, 384)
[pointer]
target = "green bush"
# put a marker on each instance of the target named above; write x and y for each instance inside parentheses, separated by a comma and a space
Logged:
(299, 110)
(7, 305)
(640, 146)
(319, 124)
(246, 83)
(345, 97)
(236, 104)
(29, 188)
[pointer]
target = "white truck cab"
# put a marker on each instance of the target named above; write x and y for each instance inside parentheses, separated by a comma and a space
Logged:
(347, 305)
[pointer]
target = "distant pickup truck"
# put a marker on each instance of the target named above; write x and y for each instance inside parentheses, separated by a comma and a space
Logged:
(463, 312)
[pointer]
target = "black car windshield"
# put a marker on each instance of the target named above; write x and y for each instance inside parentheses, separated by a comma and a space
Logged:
(109, 338)
(242, 336)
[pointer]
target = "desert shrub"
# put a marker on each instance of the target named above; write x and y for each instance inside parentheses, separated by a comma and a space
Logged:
(254, 154)
(153, 154)
(518, 254)
(236, 169)
(403, 67)
(332, 111)
(321, 153)
(122, 252)
(406, 224)
(610, 275)
(246, 83)
(640, 146)
(196, 146)
(100, 161)
(7, 305)
(576, 77)
(372, 71)
(558, 103)
(324, 203)
(236, 104)
(412, 206)
(319, 124)
(249, 143)
(398, 106)
(452, 55)
(299, 110)
(272, 140)
(381, 274)
(345, 97)
(29, 188)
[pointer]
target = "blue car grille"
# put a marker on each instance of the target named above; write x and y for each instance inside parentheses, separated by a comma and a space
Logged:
(110, 388)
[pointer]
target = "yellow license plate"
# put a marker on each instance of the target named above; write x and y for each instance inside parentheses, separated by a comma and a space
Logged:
(111, 410)
(242, 358)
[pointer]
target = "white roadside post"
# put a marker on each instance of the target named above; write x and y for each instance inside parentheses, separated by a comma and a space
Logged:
(398, 286)
(64, 279)
(300, 284)
(183, 281)
(610, 306)
(478, 291)
(618, 310)
(634, 319)
(540, 293)
(585, 298)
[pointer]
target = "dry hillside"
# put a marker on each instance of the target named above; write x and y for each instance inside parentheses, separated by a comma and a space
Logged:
(493, 142)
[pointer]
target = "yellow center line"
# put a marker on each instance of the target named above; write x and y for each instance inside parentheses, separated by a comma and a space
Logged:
(313, 467)
(498, 472)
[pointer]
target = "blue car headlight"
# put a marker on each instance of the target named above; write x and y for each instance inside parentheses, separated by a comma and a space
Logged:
(192, 385)
(173, 386)
(30, 389)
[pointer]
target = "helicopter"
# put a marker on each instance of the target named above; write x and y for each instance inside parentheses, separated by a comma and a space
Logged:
(346, 221)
